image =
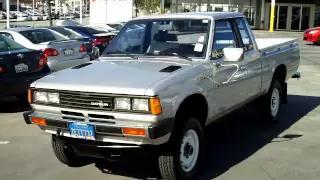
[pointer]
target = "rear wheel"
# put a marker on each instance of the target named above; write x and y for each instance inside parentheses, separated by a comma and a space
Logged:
(187, 153)
(65, 155)
(271, 103)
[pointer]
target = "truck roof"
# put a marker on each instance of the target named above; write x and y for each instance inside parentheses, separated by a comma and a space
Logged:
(214, 15)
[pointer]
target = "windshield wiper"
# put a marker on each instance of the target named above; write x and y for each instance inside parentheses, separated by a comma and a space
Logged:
(170, 54)
(125, 53)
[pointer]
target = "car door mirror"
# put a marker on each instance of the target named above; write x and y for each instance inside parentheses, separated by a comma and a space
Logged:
(233, 54)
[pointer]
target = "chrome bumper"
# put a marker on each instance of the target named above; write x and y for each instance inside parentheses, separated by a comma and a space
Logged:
(107, 131)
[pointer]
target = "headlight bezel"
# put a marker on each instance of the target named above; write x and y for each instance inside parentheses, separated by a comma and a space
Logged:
(131, 104)
(33, 96)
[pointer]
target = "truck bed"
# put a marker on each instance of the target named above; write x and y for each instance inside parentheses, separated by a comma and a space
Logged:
(269, 43)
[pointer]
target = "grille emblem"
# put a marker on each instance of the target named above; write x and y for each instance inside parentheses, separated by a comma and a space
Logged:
(100, 104)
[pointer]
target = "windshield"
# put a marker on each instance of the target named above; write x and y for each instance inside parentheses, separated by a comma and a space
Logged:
(184, 37)
(88, 30)
(116, 26)
(37, 36)
(7, 44)
(65, 32)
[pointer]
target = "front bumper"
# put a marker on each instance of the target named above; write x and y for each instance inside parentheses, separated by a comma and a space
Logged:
(310, 37)
(156, 132)
(60, 65)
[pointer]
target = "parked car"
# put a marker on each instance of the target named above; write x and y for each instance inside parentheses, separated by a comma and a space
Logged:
(91, 50)
(19, 67)
(158, 94)
(312, 35)
(99, 38)
(16, 26)
(61, 51)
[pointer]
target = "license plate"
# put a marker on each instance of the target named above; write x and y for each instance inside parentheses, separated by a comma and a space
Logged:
(21, 68)
(82, 131)
(68, 52)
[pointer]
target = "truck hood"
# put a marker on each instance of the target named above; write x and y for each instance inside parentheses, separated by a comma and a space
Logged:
(116, 77)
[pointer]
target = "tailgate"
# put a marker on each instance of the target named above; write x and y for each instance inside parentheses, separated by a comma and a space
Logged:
(68, 50)
(19, 62)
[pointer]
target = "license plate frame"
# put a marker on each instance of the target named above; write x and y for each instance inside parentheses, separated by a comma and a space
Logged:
(82, 131)
(21, 67)
(68, 52)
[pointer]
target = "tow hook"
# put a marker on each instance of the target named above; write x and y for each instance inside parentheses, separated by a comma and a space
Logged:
(297, 75)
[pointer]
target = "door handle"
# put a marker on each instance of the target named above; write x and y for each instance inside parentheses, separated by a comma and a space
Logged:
(243, 67)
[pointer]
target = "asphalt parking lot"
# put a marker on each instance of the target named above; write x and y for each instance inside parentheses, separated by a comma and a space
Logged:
(239, 147)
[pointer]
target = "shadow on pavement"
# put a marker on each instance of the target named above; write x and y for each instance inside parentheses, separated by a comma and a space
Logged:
(229, 141)
(11, 105)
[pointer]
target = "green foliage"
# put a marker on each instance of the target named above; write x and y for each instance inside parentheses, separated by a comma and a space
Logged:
(149, 6)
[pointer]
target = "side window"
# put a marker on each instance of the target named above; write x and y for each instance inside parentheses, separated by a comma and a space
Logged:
(245, 36)
(224, 36)
(8, 35)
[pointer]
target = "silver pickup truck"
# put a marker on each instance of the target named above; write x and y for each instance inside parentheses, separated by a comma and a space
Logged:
(159, 82)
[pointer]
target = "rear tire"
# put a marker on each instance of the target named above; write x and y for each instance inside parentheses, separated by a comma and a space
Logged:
(67, 156)
(271, 103)
(188, 148)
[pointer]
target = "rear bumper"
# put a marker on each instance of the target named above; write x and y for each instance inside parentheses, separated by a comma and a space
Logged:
(156, 133)
(60, 65)
(19, 85)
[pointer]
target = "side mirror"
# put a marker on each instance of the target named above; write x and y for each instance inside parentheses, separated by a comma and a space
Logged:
(233, 54)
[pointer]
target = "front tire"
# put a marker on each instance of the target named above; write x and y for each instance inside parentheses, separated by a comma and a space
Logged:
(66, 156)
(187, 151)
(272, 103)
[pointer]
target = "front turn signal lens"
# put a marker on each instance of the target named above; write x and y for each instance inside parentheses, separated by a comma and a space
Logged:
(134, 131)
(29, 96)
(39, 121)
(155, 106)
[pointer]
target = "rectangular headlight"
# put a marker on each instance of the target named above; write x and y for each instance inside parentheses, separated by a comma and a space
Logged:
(122, 103)
(40, 97)
(54, 98)
(140, 105)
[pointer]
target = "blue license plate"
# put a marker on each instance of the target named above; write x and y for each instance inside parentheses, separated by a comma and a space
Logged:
(82, 131)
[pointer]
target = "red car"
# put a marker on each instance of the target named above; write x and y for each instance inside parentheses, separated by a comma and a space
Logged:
(312, 35)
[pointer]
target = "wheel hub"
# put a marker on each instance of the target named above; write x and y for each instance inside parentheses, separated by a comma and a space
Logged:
(275, 102)
(189, 150)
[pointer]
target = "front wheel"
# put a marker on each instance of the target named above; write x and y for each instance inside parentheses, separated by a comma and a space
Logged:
(67, 156)
(186, 153)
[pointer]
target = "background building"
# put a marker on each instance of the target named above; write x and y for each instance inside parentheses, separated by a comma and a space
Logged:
(295, 15)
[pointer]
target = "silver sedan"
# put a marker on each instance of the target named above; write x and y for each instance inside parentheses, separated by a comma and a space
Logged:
(61, 52)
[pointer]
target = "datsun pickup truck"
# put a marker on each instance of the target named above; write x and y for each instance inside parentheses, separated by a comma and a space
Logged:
(159, 82)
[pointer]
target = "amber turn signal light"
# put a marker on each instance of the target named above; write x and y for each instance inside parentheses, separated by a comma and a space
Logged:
(155, 106)
(39, 121)
(134, 131)
(29, 96)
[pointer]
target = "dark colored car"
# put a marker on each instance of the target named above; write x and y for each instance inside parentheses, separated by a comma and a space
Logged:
(73, 35)
(19, 67)
(99, 38)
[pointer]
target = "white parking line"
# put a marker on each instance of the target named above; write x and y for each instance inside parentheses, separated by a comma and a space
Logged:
(4, 142)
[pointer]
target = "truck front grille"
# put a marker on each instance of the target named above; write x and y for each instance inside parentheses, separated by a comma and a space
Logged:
(84, 100)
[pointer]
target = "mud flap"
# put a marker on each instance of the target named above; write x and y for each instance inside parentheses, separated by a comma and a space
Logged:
(284, 93)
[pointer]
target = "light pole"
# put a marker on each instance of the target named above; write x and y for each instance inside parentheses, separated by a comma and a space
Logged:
(80, 12)
(273, 4)
(33, 6)
(8, 14)
(18, 7)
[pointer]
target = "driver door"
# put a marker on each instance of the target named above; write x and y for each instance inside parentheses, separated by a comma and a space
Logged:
(228, 77)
